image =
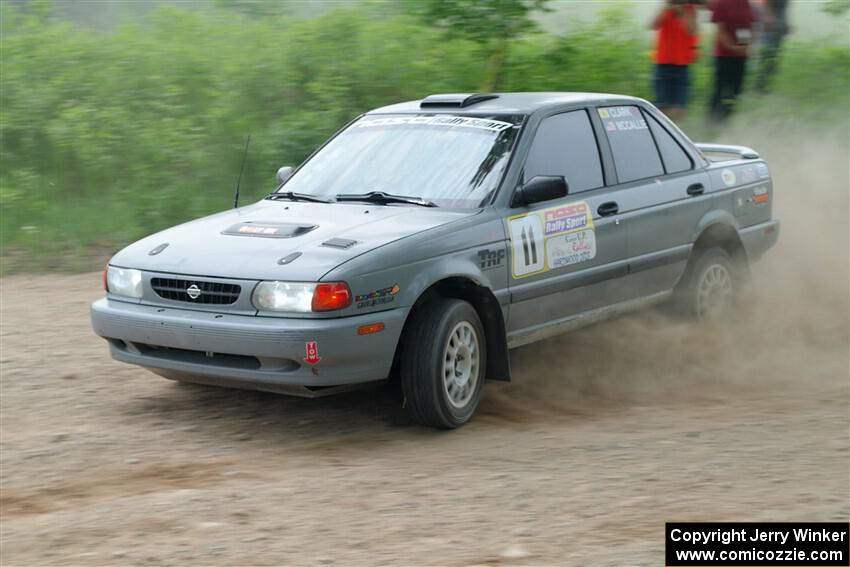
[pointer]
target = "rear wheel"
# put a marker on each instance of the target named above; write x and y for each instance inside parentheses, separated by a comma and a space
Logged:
(443, 363)
(708, 293)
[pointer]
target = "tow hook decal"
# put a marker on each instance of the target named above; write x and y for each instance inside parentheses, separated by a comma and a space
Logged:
(312, 353)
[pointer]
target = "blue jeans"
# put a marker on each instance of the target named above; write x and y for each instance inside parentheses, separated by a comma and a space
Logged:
(672, 83)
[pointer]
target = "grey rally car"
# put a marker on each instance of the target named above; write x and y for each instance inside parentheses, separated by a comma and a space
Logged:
(427, 238)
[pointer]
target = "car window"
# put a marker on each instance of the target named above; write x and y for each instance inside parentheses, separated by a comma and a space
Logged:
(674, 157)
(635, 154)
(565, 145)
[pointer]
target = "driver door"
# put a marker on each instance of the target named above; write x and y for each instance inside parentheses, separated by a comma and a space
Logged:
(567, 255)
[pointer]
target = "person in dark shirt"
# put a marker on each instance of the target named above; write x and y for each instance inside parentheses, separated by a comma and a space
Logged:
(734, 19)
(775, 28)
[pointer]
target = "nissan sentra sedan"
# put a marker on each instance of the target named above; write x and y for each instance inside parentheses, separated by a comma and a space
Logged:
(426, 239)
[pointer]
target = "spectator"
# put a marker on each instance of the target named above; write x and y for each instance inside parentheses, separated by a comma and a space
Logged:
(775, 28)
(734, 19)
(675, 50)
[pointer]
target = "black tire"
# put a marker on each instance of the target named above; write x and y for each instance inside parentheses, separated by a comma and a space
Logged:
(709, 287)
(429, 371)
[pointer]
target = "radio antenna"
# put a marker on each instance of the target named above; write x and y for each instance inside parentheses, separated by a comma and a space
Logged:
(241, 169)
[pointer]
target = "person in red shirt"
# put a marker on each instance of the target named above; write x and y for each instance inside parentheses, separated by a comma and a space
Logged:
(734, 19)
(676, 48)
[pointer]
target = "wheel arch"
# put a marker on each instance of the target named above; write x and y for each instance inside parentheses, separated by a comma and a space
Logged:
(489, 310)
(721, 233)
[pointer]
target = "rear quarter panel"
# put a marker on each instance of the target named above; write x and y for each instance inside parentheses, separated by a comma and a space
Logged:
(744, 189)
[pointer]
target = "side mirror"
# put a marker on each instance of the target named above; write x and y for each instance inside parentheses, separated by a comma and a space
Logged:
(283, 174)
(540, 188)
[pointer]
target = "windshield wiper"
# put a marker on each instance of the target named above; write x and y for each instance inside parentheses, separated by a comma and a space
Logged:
(293, 196)
(381, 198)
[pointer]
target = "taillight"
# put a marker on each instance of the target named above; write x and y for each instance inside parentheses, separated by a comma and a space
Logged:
(331, 296)
(103, 277)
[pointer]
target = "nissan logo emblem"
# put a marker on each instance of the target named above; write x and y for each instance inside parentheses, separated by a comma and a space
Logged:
(193, 291)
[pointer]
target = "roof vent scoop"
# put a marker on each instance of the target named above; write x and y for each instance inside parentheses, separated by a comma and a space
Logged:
(458, 100)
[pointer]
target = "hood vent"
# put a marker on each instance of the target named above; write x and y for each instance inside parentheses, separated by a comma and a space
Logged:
(158, 249)
(269, 229)
(290, 258)
(343, 243)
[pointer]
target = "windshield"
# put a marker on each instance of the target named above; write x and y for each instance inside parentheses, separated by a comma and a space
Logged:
(451, 161)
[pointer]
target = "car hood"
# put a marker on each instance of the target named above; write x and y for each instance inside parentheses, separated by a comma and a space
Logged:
(296, 241)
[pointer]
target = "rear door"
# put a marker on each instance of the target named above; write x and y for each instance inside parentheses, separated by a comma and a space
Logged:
(662, 195)
(565, 257)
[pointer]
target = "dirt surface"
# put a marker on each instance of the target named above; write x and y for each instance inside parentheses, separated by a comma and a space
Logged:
(604, 435)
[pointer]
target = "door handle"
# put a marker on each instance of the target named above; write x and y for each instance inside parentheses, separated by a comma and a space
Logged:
(696, 189)
(608, 209)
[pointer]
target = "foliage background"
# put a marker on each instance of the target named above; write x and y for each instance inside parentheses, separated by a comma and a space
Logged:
(108, 136)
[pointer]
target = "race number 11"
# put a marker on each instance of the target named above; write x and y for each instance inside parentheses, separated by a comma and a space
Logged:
(527, 245)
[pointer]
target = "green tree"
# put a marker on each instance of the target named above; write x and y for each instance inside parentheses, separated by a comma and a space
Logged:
(493, 24)
(253, 8)
(836, 7)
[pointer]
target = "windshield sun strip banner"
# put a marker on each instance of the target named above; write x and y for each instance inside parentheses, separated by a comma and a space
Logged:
(448, 121)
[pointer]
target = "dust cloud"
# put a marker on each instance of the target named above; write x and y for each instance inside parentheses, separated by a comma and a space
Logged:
(789, 333)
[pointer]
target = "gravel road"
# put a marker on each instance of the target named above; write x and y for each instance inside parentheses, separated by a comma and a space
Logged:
(603, 436)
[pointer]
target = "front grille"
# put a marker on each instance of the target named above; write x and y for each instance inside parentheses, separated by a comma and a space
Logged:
(211, 293)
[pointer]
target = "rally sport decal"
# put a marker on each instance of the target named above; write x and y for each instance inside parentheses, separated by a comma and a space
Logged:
(551, 238)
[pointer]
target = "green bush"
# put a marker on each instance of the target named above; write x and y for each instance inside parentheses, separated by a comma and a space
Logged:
(110, 136)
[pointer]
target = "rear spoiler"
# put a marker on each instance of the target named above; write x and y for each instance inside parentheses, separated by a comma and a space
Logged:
(741, 152)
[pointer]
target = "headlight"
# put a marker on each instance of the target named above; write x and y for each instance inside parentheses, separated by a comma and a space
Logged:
(124, 281)
(299, 297)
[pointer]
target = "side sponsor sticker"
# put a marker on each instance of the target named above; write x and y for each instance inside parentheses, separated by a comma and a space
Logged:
(527, 243)
(377, 297)
(551, 238)
(572, 248)
(489, 259)
(744, 175)
(748, 175)
(760, 195)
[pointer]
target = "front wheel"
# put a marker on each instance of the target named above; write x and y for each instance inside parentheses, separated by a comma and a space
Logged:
(443, 363)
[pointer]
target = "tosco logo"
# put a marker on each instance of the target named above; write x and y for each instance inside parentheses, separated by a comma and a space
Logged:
(193, 291)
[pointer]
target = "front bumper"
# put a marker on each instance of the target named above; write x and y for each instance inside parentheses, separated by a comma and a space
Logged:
(263, 353)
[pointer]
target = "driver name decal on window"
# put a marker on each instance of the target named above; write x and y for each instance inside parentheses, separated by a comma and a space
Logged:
(449, 121)
(551, 238)
(622, 119)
